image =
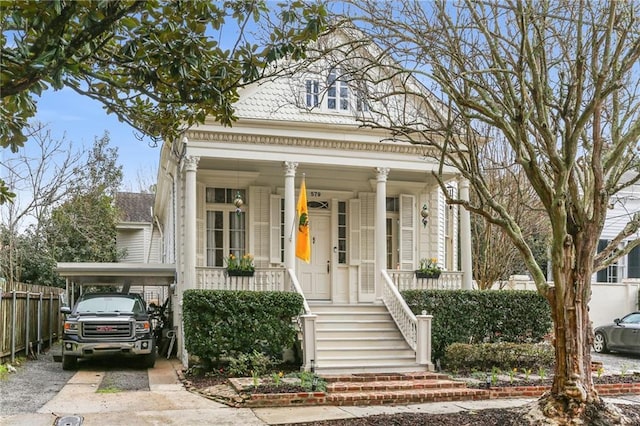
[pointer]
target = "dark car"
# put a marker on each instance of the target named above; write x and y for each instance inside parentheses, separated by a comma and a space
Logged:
(107, 324)
(623, 335)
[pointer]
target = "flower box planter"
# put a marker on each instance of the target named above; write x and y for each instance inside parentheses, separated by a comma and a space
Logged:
(433, 275)
(239, 273)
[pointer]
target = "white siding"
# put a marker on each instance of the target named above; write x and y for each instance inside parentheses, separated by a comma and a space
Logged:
(133, 241)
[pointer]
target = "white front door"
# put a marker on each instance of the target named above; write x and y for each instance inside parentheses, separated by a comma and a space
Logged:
(315, 276)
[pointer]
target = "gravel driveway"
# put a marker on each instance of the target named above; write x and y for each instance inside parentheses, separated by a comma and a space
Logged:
(35, 383)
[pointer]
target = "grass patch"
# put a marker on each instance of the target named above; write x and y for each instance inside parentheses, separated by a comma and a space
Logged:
(109, 389)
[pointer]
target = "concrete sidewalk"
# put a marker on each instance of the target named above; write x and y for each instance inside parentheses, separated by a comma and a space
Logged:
(169, 403)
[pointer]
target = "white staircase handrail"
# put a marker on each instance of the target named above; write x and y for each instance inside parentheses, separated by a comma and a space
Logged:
(298, 289)
(307, 325)
(405, 319)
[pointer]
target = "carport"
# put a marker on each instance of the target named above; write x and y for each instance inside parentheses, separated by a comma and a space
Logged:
(127, 277)
(122, 275)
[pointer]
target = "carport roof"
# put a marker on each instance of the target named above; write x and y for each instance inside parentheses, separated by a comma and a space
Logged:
(118, 273)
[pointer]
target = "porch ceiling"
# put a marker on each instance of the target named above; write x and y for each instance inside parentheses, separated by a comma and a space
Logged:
(159, 274)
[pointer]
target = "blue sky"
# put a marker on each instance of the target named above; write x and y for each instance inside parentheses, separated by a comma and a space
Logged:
(83, 119)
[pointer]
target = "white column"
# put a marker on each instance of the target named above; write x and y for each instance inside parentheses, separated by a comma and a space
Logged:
(290, 214)
(465, 238)
(189, 167)
(381, 227)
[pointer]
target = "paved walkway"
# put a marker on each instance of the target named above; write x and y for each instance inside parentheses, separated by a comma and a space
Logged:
(168, 403)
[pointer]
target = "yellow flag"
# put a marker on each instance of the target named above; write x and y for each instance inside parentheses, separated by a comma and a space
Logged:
(303, 239)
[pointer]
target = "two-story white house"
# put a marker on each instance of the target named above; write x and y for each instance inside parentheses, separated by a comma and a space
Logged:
(375, 210)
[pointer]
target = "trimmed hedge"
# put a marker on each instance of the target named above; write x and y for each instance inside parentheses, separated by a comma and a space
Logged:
(472, 316)
(225, 323)
(504, 356)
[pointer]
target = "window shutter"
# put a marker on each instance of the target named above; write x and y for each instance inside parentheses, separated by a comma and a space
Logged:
(259, 202)
(634, 263)
(354, 232)
(601, 276)
(367, 243)
(276, 224)
(407, 231)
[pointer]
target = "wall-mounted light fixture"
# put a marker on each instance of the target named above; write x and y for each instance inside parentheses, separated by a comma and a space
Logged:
(425, 215)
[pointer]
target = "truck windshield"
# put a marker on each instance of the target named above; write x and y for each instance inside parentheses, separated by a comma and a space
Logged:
(109, 304)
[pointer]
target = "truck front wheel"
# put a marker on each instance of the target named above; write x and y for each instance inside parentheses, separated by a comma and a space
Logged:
(149, 360)
(69, 362)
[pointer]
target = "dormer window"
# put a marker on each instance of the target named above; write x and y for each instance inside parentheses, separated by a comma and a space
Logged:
(333, 96)
(337, 92)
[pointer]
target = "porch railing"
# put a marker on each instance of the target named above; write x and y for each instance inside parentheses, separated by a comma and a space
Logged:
(415, 329)
(406, 280)
(264, 279)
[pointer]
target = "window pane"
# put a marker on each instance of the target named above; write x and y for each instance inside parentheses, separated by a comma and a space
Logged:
(214, 238)
(219, 195)
(237, 233)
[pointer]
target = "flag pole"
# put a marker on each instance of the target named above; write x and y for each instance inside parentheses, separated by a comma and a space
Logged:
(295, 219)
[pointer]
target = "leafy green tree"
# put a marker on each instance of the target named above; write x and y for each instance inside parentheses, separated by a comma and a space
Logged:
(157, 64)
(83, 228)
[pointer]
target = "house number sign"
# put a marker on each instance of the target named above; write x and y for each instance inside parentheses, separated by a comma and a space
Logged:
(314, 193)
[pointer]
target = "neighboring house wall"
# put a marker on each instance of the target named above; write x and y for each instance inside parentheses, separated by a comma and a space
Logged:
(622, 207)
(137, 235)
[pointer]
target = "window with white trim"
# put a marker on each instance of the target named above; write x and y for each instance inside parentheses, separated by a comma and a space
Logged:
(225, 227)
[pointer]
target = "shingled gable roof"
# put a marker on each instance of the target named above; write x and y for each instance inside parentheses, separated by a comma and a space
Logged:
(134, 206)
(281, 98)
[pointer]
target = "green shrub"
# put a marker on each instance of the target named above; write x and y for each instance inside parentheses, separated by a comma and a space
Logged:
(472, 316)
(255, 363)
(221, 323)
(463, 357)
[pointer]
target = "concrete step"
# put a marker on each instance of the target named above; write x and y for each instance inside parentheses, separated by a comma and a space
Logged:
(355, 316)
(342, 308)
(354, 324)
(362, 352)
(392, 340)
(370, 367)
(360, 338)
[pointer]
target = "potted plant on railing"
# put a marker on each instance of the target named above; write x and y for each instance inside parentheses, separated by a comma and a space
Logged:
(240, 266)
(428, 269)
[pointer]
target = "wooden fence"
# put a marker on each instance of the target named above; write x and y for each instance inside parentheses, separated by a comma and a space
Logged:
(30, 319)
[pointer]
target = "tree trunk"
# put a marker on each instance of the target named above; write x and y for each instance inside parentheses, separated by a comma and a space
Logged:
(573, 398)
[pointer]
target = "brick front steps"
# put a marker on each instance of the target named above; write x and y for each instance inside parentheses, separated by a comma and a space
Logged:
(388, 389)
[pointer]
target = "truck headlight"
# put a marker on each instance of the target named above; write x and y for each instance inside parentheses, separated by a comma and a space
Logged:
(142, 326)
(71, 327)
